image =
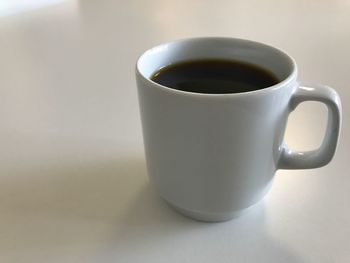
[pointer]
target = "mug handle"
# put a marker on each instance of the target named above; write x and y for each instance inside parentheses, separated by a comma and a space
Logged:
(290, 159)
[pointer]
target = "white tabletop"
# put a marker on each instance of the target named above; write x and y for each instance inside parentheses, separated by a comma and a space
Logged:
(73, 184)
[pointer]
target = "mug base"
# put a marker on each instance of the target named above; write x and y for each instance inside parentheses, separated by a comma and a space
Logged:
(209, 217)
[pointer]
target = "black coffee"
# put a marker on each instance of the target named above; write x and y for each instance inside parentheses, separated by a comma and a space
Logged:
(214, 76)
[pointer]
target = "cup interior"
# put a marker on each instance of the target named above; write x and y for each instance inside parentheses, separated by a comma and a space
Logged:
(247, 51)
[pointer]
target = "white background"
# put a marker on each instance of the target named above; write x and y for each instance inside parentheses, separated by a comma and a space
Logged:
(73, 185)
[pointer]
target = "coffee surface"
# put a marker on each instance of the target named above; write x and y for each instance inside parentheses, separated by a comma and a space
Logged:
(214, 76)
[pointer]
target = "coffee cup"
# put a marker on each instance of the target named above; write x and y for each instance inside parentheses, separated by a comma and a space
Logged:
(213, 156)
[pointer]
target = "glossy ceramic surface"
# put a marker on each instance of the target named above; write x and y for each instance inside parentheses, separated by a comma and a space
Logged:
(214, 155)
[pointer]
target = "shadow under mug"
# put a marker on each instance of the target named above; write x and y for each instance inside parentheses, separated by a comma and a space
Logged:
(212, 156)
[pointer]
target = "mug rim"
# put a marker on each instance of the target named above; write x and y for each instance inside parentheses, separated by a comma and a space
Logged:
(290, 78)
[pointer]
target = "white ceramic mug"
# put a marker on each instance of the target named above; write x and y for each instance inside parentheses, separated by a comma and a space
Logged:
(211, 156)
